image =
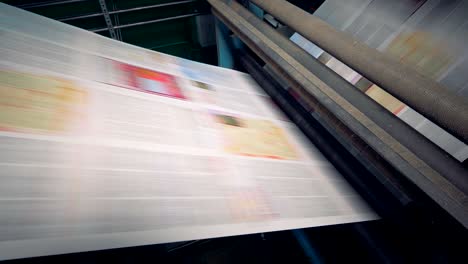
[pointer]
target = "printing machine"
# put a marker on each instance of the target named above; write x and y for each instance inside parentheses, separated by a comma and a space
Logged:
(418, 190)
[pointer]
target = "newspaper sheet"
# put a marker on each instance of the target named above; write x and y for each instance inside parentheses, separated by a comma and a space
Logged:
(106, 145)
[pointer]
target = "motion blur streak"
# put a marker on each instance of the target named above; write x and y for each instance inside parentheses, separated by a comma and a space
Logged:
(105, 145)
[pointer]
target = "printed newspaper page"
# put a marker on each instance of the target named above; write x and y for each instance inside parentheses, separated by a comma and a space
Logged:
(105, 145)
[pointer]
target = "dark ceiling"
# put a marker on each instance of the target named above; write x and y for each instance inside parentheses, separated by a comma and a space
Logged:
(168, 26)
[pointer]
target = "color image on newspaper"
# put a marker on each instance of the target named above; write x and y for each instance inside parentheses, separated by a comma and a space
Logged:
(148, 81)
(38, 104)
(254, 137)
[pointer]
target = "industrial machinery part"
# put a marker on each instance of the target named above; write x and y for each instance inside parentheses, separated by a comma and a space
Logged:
(423, 94)
(105, 12)
(347, 116)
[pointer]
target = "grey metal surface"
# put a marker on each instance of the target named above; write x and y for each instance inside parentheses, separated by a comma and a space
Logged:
(321, 95)
(428, 34)
(105, 12)
(404, 82)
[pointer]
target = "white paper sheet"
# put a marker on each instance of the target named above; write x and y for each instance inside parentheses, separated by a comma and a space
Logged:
(105, 145)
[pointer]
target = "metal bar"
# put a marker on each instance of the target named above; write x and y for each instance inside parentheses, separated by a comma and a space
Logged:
(223, 38)
(151, 6)
(326, 103)
(168, 45)
(48, 3)
(105, 12)
(425, 95)
(79, 17)
(128, 10)
(148, 22)
(116, 21)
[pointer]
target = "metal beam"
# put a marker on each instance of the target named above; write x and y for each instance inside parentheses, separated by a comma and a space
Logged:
(425, 95)
(79, 17)
(148, 22)
(48, 3)
(105, 12)
(127, 10)
(151, 6)
(116, 22)
(224, 49)
(348, 121)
